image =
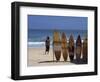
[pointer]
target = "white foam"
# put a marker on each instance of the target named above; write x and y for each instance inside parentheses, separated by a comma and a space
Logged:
(32, 43)
(43, 43)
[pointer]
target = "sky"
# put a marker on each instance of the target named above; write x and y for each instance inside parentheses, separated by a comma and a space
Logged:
(57, 22)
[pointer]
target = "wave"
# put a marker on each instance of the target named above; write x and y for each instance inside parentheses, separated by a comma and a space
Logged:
(37, 44)
(30, 43)
(42, 44)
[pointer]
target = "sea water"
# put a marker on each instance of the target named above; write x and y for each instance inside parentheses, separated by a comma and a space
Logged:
(37, 37)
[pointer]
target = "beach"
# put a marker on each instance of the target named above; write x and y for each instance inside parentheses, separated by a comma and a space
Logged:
(37, 57)
(42, 28)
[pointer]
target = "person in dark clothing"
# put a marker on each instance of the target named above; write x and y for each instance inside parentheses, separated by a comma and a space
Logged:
(47, 45)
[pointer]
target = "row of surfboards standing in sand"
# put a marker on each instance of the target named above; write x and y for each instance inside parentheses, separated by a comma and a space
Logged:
(75, 50)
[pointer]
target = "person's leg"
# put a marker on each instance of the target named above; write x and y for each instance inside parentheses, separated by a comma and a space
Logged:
(47, 49)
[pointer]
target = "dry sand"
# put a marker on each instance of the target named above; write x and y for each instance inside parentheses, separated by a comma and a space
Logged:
(37, 57)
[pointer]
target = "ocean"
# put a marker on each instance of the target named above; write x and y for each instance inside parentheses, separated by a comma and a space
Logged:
(37, 37)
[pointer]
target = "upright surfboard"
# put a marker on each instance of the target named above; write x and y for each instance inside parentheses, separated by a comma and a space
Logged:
(78, 48)
(71, 48)
(64, 46)
(85, 50)
(57, 45)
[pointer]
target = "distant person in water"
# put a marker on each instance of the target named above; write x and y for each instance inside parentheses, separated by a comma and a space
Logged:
(47, 44)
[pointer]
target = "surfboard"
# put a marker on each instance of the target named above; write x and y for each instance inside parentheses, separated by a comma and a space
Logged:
(57, 45)
(85, 50)
(71, 48)
(78, 48)
(64, 46)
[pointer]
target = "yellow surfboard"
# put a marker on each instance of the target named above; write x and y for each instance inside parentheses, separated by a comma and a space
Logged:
(57, 45)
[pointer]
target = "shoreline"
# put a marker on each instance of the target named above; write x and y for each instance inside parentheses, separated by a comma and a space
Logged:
(42, 44)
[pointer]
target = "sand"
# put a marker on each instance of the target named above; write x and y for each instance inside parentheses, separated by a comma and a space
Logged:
(37, 57)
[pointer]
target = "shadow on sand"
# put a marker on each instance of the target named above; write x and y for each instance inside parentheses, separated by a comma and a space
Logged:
(81, 61)
(51, 61)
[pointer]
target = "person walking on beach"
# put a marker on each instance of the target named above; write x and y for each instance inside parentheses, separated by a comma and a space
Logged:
(47, 45)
